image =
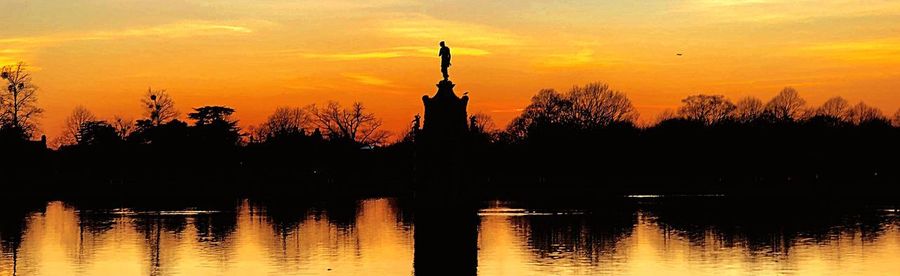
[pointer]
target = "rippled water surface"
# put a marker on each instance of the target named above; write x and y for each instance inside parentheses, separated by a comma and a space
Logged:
(638, 236)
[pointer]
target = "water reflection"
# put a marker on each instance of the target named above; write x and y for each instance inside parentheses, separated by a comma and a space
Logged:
(245, 240)
(640, 236)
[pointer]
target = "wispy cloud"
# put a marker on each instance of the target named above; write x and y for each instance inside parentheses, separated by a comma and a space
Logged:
(867, 50)
(427, 28)
(18, 46)
(583, 57)
(367, 79)
(394, 52)
(780, 11)
(511, 110)
(173, 30)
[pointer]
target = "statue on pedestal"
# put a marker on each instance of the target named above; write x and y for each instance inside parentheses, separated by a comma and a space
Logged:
(444, 53)
(442, 143)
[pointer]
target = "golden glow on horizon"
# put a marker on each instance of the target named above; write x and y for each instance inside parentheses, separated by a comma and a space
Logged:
(258, 55)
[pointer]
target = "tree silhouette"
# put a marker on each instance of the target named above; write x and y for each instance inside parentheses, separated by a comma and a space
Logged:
(708, 109)
(97, 133)
(174, 132)
(354, 124)
(787, 106)
(665, 115)
(862, 113)
(547, 108)
(208, 115)
(748, 109)
(897, 118)
(159, 107)
(835, 107)
(214, 124)
(283, 123)
(124, 127)
(482, 123)
(596, 105)
(588, 107)
(72, 129)
(18, 101)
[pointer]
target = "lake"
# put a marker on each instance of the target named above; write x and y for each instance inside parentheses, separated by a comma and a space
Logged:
(643, 235)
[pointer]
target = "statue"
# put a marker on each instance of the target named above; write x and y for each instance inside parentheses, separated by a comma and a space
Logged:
(445, 60)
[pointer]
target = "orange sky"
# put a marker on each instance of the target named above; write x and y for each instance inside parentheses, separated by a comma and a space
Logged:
(260, 54)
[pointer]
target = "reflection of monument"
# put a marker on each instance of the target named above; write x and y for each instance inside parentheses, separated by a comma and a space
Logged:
(446, 240)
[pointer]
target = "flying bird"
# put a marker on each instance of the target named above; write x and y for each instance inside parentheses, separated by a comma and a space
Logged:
(678, 54)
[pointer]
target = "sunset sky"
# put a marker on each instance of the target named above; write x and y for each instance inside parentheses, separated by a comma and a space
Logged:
(256, 55)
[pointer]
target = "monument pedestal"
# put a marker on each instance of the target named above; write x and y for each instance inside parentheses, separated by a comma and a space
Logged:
(441, 146)
(445, 113)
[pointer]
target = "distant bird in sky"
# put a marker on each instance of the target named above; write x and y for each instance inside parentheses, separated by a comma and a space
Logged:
(678, 54)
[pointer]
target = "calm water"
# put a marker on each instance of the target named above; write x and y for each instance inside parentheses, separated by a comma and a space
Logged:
(378, 237)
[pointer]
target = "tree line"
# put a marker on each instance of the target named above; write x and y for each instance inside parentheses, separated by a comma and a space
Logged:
(592, 106)
(583, 135)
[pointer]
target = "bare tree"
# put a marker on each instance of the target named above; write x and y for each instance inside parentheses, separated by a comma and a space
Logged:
(709, 109)
(352, 124)
(665, 115)
(97, 133)
(786, 106)
(547, 107)
(591, 106)
(862, 113)
(836, 107)
(159, 107)
(415, 126)
(18, 100)
(72, 128)
(596, 105)
(283, 122)
(748, 109)
(897, 118)
(482, 123)
(124, 127)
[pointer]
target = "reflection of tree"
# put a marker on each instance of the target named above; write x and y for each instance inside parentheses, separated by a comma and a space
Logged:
(215, 227)
(285, 215)
(591, 235)
(769, 227)
(13, 216)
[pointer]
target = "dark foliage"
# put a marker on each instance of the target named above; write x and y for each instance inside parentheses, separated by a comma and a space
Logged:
(584, 139)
